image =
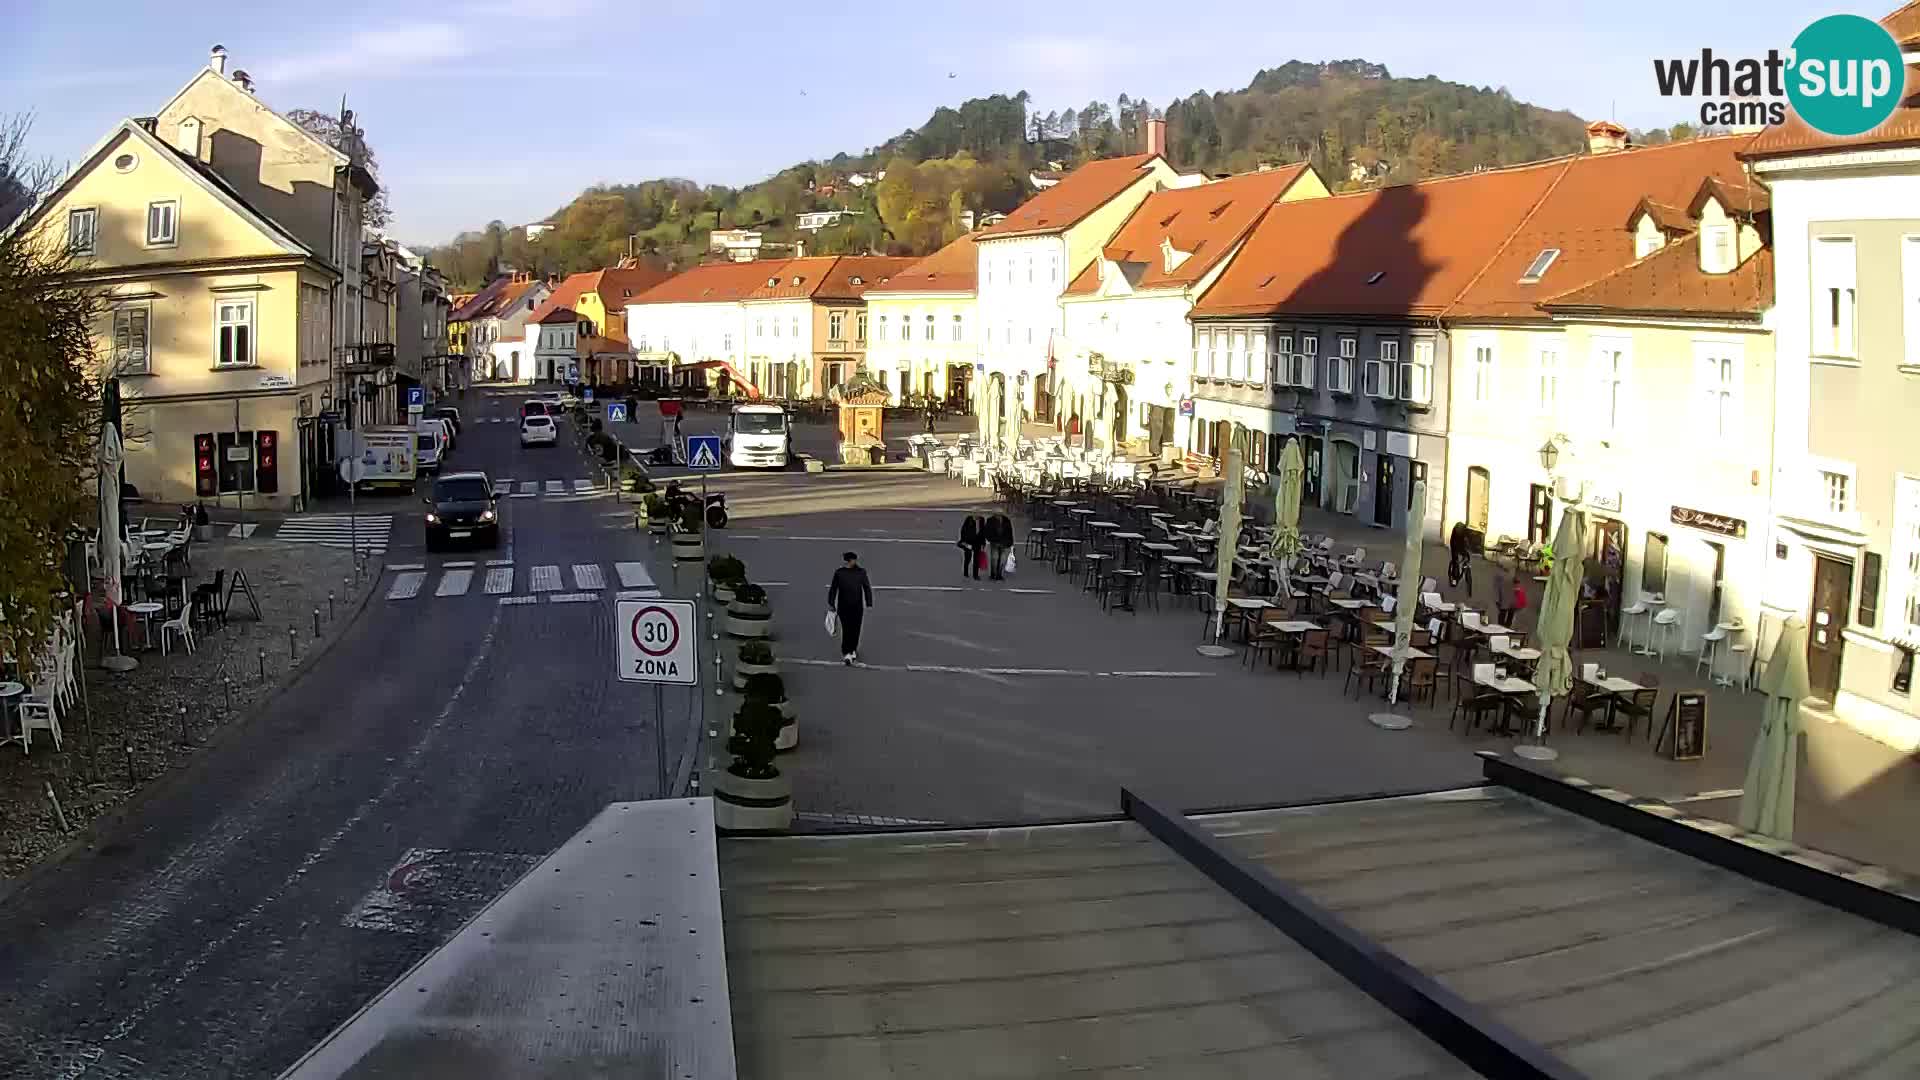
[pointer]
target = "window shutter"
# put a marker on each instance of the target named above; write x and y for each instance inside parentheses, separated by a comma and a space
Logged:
(1870, 588)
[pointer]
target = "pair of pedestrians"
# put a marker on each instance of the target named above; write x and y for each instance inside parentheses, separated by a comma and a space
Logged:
(985, 543)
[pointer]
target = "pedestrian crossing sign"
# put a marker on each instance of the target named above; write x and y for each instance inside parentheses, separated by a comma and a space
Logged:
(703, 451)
(616, 412)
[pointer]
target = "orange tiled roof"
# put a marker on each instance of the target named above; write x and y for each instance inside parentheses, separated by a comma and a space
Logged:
(1581, 216)
(1425, 241)
(480, 303)
(826, 277)
(617, 285)
(716, 282)
(564, 296)
(953, 269)
(1670, 282)
(1078, 194)
(1205, 222)
(1900, 129)
(1673, 219)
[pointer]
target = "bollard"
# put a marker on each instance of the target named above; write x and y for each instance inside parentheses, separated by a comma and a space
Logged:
(263, 665)
(58, 814)
(131, 779)
(184, 737)
(316, 624)
(227, 682)
(329, 605)
(293, 645)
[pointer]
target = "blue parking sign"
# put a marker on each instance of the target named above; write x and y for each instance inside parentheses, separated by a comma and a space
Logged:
(587, 395)
(616, 412)
(416, 395)
(703, 451)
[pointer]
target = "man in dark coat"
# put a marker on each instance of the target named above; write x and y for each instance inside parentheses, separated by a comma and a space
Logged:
(972, 536)
(849, 595)
(999, 537)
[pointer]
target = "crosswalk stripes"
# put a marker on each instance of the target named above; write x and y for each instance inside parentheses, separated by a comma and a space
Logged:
(369, 532)
(406, 586)
(545, 579)
(587, 576)
(556, 487)
(454, 583)
(528, 489)
(242, 531)
(499, 580)
(633, 575)
(585, 487)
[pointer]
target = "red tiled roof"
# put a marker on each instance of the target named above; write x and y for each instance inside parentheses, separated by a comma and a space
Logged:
(1205, 222)
(617, 285)
(826, 277)
(1580, 216)
(481, 302)
(1673, 219)
(1738, 199)
(953, 269)
(548, 313)
(1426, 241)
(1900, 129)
(1078, 194)
(1670, 282)
(564, 296)
(716, 282)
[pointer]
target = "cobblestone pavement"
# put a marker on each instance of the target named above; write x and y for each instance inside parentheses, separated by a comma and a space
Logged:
(137, 736)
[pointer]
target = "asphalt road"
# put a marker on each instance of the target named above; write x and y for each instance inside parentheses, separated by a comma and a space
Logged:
(259, 898)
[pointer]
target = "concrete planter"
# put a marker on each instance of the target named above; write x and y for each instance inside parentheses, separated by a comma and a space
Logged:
(723, 593)
(689, 547)
(744, 669)
(749, 620)
(790, 733)
(656, 527)
(742, 805)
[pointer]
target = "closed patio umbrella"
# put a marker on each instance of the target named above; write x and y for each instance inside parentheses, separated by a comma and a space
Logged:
(1406, 601)
(1226, 546)
(1766, 800)
(107, 457)
(1286, 515)
(1554, 675)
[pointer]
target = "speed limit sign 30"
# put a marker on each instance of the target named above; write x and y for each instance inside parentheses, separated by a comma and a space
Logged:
(658, 641)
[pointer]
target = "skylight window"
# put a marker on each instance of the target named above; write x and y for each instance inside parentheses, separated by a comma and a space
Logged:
(1374, 278)
(1267, 282)
(855, 280)
(1538, 267)
(772, 281)
(1221, 209)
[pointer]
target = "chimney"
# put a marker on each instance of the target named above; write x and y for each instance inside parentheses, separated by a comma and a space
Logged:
(1156, 136)
(245, 80)
(799, 249)
(1605, 137)
(217, 60)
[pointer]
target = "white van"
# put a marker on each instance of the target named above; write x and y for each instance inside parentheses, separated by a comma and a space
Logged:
(431, 443)
(759, 437)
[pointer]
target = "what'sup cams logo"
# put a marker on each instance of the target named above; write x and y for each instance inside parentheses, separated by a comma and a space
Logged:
(1844, 75)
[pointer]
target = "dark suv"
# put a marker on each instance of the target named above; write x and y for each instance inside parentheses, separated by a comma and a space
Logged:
(463, 506)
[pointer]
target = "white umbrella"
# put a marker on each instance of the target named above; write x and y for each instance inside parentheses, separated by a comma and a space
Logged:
(1766, 800)
(107, 458)
(1227, 544)
(1286, 515)
(1406, 603)
(1553, 676)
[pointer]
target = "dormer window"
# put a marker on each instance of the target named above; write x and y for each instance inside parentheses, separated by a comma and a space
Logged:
(1647, 239)
(772, 282)
(1374, 278)
(796, 281)
(1716, 249)
(1537, 269)
(855, 280)
(1171, 256)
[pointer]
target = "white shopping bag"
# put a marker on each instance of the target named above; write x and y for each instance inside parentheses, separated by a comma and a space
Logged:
(1011, 564)
(832, 623)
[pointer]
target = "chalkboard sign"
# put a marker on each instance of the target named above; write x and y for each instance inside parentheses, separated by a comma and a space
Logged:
(1684, 733)
(239, 584)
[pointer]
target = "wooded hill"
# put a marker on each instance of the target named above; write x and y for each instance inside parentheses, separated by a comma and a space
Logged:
(1356, 122)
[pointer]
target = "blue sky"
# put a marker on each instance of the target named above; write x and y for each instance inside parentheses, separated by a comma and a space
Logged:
(484, 109)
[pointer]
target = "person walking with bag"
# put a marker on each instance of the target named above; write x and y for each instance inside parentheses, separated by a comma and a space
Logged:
(999, 537)
(972, 538)
(849, 595)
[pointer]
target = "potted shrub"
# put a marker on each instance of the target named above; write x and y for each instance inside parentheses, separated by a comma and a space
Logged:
(748, 613)
(688, 544)
(755, 658)
(772, 689)
(655, 515)
(751, 794)
(727, 574)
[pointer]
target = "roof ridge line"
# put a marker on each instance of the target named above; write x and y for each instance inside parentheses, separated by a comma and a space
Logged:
(1566, 168)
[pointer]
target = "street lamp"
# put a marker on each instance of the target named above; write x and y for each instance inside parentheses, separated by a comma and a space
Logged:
(1550, 455)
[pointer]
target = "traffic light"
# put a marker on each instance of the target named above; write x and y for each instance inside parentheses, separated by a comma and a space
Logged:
(266, 464)
(206, 481)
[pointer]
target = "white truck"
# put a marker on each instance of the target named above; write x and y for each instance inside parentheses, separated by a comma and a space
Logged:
(389, 456)
(759, 436)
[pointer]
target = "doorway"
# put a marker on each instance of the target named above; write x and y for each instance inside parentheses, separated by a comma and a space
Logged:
(1608, 562)
(1539, 514)
(1120, 415)
(1479, 492)
(1313, 456)
(1383, 489)
(1346, 475)
(1832, 594)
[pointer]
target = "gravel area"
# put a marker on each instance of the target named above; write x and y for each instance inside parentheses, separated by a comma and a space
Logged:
(136, 716)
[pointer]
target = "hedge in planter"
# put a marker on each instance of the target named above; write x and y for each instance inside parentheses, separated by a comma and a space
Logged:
(751, 794)
(656, 513)
(688, 545)
(755, 658)
(772, 690)
(727, 574)
(748, 614)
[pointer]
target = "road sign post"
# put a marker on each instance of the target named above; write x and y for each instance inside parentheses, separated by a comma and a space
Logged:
(703, 452)
(659, 643)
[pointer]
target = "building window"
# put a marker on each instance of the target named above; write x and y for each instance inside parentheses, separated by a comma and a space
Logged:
(1382, 371)
(1416, 379)
(776, 327)
(1053, 269)
(726, 343)
(1869, 588)
(1237, 356)
(1340, 366)
(930, 332)
(1653, 565)
(1029, 269)
(1610, 368)
(1719, 253)
(1258, 358)
(836, 326)
(959, 328)
(1029, 335)
(1284, 360)
(1903, 672)
(130, 339)
(233, 333)
(1910, 298)
(1537, 269)
(1546, 368)
(235, 465)
(163, 222)
(1483, 371)
(1307, 364)
(1836, 490)
(1216, 345)
(794, 325)
(860, 327)
(1833, 295)
(1718, 371)
(81, 229)
(1905, 587)
(1646, 242)
(906, 328)
(880, 330)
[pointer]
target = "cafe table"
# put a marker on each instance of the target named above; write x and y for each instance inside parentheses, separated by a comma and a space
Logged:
(1346, 604)
(1129, 542)
(1522, 655)
(1508, 686)
(1412, 653)
(1242, 612)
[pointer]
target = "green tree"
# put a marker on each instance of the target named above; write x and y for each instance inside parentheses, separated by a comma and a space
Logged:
(50, 414)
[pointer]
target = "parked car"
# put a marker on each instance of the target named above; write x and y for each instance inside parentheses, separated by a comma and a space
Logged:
(430, 445)
(534, 407)
(538, 431)
(452, 416)
(462, 506)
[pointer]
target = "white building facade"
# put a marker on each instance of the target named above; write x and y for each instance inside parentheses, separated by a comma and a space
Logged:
(779, 346)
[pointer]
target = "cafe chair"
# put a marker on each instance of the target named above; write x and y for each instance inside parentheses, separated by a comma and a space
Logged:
(1476, 707)
(1638, 707)
(1709, 651)
(180, 626)
(1663, 625)
(38, 712)
(1422, 679)
(1584, 701)
(1367, 668)
(1314, 651)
